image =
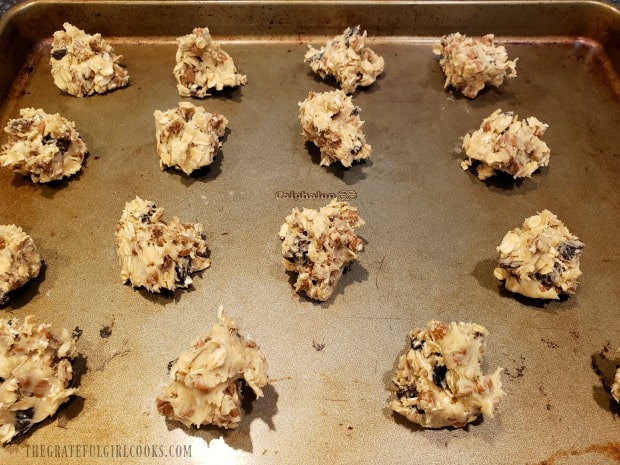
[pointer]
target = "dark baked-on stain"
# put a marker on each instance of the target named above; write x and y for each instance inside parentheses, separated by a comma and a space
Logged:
(607, 449)
(105, 332)
(518, 370)
(77, 333)
(551, 344)
(318, 346)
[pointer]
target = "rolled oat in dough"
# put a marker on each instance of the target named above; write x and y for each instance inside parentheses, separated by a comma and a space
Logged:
(84, 64)
(19, 260)
(319, 244)
(188, 137)
(35, 373)
(43, 146)
(202, 65)
(540, 259)
(503, 143)
(439, 381)
(156, 254)
(469, 64)
(205, 386)
(331, 122)
(347, 59)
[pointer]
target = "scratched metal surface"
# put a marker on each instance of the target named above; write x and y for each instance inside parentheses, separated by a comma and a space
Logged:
(431, 232)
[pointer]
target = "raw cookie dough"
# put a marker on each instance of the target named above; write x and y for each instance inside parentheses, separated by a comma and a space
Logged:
(439, 381)
(319, 244)
(347, 59)
(540, 260)
(35, 373)
(504, 143)
(188, 137)
(202, 65)
(19, 260)
(469, 64)
(615, 388)
(84, 64)
(45, 147)
(155, 254)
(206, 381)
(331, 122)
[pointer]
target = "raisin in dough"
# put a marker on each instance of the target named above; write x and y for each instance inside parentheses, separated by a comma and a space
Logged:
(188, 137)
(202, 65)
(43, 146)
(331, 122)
(19, 260)
(156, 254)
(206, 381)
(540, 259)
(439, 381)
(505, 143)
(347, 59)
(319, 244)
(35, 373)
(84, 64)
(469, 64)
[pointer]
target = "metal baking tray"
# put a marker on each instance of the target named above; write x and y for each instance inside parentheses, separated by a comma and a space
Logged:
(431, 232)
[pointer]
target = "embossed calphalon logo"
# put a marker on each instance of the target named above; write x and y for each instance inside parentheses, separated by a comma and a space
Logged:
(347, 195)
(303, 194)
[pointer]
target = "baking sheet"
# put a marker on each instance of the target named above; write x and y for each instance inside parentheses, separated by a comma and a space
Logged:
(431, 232)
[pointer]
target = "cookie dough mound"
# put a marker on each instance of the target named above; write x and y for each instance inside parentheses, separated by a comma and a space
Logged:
(43, 146)
(202, 65)
(205, 386)
(331, 122)
(84, 64)
(319, 244)
(19, 260)
(347, 59)
(504, 143)
(469, 64)
(35, 373)
(155, 254)
(439, 381)
(540, 259)
(188, 137)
